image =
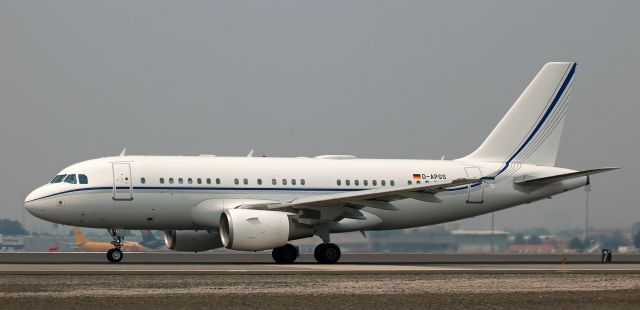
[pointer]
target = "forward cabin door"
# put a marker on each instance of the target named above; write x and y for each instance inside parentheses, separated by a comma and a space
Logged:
(122, 185)
(475, 191)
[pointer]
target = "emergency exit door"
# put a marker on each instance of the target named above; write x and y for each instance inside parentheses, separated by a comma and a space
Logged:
(475, 190)
(122, 185)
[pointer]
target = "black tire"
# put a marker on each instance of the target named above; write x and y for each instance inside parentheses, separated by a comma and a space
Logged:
(317, 253)
(286, 254)
(276, 254)
(327, 253)
(114, 255)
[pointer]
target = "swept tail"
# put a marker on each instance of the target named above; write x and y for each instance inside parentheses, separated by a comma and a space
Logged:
(530, 131)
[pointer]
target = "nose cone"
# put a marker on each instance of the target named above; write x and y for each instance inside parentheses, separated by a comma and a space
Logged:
(30, 200)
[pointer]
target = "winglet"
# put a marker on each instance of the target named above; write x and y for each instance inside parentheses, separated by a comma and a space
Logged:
(250, 153)
(124, 151)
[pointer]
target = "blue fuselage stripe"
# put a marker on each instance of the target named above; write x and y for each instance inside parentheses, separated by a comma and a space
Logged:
(290, 189)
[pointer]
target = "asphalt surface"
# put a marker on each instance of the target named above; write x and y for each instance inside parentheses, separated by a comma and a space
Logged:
(207, 263)
(359, 281)
(360, 258)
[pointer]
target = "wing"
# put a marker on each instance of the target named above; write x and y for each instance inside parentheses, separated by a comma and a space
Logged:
(333, 207)
(560, 177)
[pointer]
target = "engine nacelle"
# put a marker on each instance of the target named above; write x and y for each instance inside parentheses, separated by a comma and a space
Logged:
(256, 230)
(192, 241)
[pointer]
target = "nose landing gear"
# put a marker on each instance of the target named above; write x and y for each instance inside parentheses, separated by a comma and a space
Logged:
(115, 255)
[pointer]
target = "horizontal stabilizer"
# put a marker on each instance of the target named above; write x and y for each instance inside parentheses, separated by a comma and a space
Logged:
(560, 177)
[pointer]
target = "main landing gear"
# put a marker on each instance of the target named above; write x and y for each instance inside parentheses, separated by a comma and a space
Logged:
(327, 253)
(286, 254)
(115, 255)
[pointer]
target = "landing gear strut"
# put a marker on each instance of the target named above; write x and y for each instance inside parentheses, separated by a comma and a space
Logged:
(327, 253)
(286, 254)
(115, 255)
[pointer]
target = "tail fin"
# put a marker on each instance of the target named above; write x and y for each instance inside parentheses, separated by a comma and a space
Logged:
(80, 239)
(530, 131)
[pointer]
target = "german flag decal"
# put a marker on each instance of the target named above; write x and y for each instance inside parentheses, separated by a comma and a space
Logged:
(417, 176)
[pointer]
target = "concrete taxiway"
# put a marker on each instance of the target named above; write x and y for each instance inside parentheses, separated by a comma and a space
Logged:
(359, 281)
(206, 263)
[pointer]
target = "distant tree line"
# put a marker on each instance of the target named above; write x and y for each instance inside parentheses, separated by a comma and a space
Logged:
(11, 227)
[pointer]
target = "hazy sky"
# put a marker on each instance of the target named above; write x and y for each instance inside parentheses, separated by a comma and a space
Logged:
(381, 79)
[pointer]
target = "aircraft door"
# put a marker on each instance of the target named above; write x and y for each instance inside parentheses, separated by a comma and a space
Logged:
(122, 183)
(475, 191)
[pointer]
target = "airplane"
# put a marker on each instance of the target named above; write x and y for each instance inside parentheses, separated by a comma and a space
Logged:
(261, 203)
(85, 244)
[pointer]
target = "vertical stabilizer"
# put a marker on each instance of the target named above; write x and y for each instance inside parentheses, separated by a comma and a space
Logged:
(530, 131)
(80, 239)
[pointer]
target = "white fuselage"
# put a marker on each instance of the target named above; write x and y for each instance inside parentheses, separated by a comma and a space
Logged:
(115, 195)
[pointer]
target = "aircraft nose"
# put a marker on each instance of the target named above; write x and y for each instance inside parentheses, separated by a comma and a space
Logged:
(29, 201)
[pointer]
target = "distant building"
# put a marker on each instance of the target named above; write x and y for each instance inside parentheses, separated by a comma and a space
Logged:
(11, 243)
(538, 248)
(481, 240)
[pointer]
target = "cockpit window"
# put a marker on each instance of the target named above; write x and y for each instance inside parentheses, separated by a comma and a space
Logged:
(58, 178)
(82, 178)
(71, 179)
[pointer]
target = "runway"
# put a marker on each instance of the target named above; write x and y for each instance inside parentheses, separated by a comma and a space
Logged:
(359, 281)
(260, 264)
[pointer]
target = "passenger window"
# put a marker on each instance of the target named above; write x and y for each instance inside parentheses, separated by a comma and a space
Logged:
(284, 181)
(338, 182)
(347, 182)
(161, 180)
(302, 182)
(82, 178)
(383, 183)
(217, 180)
(142, 180)
(58, 178)
(259, 181)
(71, 179)
(180, 180)
(208, 181)
(236, 181)
(417, 182)
(409, 182)
(293, 181)
(365, 182)
(245, 181)
(374, 182)
(356, 182)
(170, 180)
(274, 182)
(190, 181)
(393, 183)
(199, 180)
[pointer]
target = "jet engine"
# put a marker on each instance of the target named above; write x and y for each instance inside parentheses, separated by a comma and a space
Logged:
(192, 241)
(256, 230)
